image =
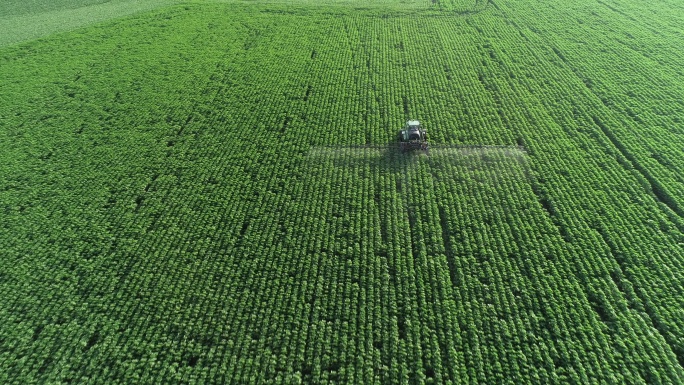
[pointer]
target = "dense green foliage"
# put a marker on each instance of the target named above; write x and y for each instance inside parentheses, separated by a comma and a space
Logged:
(174, 209)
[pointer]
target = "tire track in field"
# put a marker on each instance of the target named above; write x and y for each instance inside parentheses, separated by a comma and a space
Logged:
(656, 192)
(563, 226)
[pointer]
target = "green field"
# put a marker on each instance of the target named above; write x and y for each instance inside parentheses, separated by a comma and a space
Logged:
(181, 200)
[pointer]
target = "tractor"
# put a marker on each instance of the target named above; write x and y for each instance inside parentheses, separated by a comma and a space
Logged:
(413, 137)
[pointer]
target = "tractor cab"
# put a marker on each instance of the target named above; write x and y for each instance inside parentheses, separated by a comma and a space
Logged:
(412, 131)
